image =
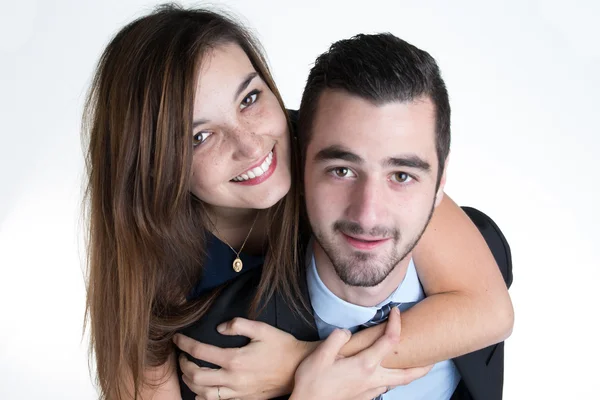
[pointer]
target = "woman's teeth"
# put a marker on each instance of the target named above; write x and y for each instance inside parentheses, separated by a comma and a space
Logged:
(257, 171)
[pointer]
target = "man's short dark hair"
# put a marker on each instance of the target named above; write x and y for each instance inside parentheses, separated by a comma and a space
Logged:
(380, 68)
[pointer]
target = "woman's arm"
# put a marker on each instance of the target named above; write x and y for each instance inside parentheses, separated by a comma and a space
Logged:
(323, 375)
(262, 369)
(467, 306)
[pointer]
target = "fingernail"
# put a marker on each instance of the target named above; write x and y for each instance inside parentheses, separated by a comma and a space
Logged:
(175, 338)
(221, 328)
(396, 310)
(347, 332)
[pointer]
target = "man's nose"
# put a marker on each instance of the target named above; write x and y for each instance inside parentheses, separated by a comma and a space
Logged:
(367, 203)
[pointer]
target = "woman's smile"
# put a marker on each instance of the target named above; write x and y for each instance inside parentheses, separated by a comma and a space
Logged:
(259, 172)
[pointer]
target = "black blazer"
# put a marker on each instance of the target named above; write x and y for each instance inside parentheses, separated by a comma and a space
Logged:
(233, 302)
(481, 371)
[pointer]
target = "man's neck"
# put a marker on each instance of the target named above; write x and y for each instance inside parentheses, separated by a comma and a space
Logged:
(361, 296)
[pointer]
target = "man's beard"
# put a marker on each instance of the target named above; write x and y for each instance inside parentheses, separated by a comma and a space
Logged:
(360, 269)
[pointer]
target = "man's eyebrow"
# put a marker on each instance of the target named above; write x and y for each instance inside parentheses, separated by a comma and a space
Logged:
(411, 161)
(338, 153)
(245, 84)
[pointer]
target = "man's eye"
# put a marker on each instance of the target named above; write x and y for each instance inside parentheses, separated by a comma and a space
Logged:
(250, 99)
(200, 137)
(342, 172)
(401, 177)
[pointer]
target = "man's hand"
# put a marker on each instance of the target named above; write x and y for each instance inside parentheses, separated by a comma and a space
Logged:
(263, 369)
(324, 375)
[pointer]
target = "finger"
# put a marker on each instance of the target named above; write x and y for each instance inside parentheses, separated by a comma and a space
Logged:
(372, 393)
(201, 392)
(209, 392)
(374, 354)
(394, 324)
(202, 351)
(401, 377)
(329, 349)
(202, 376)
(244, 327)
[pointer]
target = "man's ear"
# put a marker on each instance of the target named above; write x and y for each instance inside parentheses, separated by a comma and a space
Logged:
(439, 195)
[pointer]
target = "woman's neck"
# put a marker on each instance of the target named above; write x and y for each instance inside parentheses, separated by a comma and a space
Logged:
(233, 226)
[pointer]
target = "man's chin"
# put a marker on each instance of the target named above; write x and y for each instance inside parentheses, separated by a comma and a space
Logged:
(363, 281)
(359, 276)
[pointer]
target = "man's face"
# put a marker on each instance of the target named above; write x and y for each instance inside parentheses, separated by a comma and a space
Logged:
(370, 182)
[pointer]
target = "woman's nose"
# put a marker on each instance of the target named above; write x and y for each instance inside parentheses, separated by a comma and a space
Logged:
(247, 145)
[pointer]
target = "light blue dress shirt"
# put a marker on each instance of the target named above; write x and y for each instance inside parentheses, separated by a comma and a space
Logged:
(331, 312)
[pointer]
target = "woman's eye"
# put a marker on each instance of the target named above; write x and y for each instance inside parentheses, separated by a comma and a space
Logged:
(249, 100)
(342, 172)
(401, 177)
(200, 137)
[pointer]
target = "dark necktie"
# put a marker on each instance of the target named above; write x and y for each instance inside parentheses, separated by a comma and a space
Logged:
(380, 316)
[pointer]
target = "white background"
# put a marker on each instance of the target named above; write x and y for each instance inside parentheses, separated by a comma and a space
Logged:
(524, 83)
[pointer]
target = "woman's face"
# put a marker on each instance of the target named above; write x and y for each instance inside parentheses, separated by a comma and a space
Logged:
(240, 135)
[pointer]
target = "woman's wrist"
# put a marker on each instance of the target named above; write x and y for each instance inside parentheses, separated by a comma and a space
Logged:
(307, 348)
(304, 349)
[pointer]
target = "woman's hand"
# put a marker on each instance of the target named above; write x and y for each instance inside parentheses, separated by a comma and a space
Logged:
(325, 375)
(262, 369)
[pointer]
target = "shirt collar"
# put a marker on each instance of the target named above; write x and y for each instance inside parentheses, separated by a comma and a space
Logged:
(337, 312)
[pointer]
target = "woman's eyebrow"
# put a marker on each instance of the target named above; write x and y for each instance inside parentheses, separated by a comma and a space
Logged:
(239, 90)
(245, 84)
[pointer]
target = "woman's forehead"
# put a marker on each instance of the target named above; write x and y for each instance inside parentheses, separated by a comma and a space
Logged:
(224, 66)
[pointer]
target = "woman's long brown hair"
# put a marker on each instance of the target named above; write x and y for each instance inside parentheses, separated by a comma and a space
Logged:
(146, 239)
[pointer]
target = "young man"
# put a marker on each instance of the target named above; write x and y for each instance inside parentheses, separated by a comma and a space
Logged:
(376, 134)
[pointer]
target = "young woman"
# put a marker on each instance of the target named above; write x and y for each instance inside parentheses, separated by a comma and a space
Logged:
(190, 147)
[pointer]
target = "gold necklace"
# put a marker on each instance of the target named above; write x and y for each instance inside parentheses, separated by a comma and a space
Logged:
(237, 263)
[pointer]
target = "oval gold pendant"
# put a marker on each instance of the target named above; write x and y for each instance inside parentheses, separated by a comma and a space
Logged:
(237, 265)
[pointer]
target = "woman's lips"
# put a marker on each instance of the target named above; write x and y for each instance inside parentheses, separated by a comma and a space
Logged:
(266, 175)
